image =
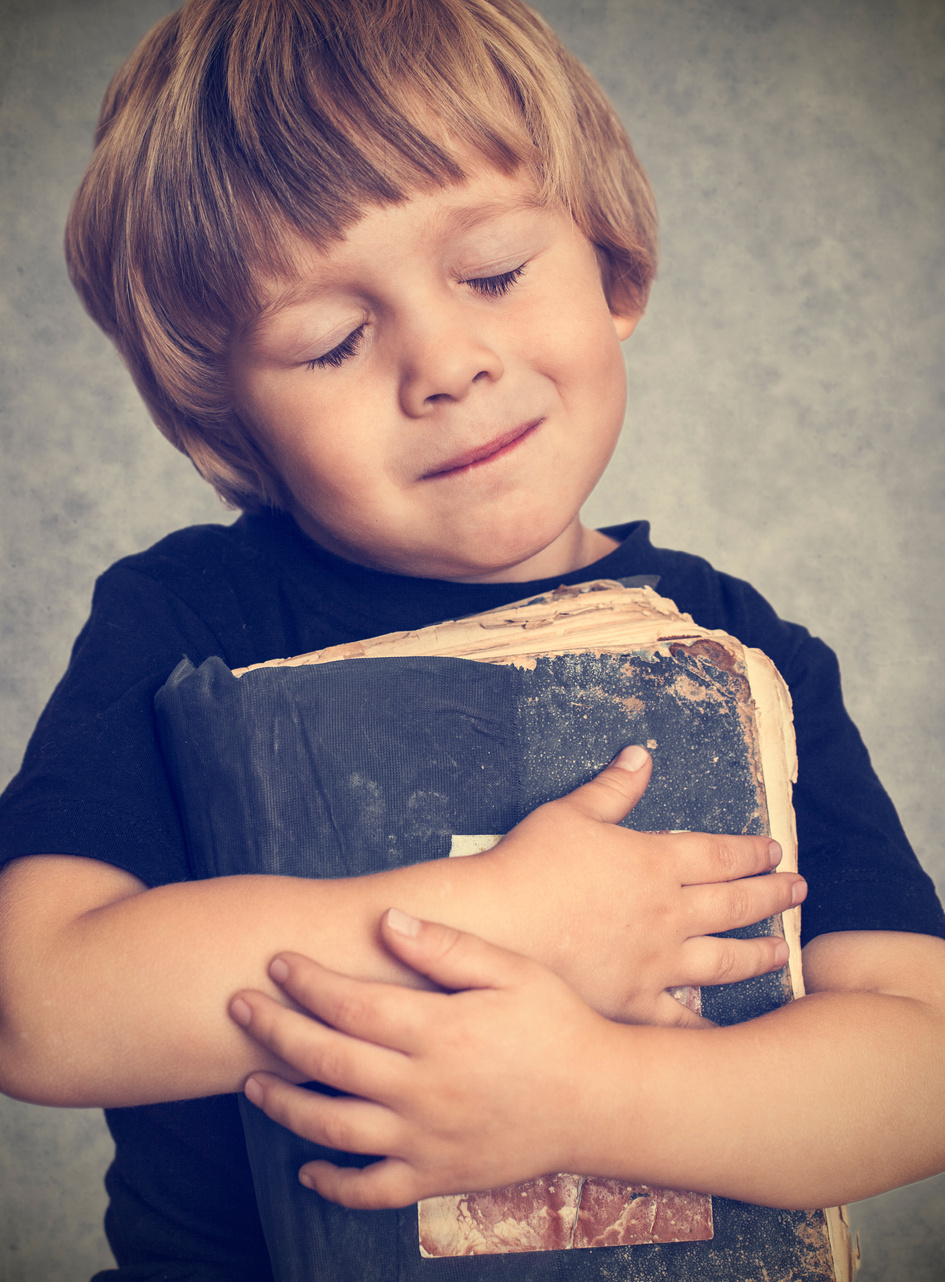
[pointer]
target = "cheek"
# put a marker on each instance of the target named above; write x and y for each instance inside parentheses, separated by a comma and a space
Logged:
(596, 393)
(576, 344)
(591, 375)
(321, 474)
(312, 448)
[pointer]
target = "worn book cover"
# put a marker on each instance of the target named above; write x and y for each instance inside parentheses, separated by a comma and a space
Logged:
(359, 758)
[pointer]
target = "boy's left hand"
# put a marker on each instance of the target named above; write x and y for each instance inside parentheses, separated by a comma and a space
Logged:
(459, 1090)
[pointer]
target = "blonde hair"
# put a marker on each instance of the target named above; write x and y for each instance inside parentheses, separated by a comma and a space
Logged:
(235, 122)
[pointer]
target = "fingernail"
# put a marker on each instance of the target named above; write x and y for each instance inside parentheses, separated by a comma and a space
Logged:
(781, 953)
(241, 1011)
(799, 891)
(632, 758)
(774, 853)
(253, 1091)
(402, 922)
(306, 1179)
(279, 970)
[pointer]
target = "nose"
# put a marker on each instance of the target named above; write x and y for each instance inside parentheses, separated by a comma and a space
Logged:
(444, 354)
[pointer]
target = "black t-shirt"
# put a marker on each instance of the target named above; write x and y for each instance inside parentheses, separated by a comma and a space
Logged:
(93, 784)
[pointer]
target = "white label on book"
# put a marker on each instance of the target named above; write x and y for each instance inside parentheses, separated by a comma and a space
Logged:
(473, 843)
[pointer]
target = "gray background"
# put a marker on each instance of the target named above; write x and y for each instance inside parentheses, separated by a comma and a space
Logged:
(786, 393)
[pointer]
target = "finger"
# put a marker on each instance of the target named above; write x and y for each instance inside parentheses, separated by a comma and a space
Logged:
(707, 857)
(616, 790)
(349, 1125)
(380, 1186)
(708, 961)
(668, 1009)
(452, 958)
(386, 1014)
(728, 905)
(319, 1053)
(671, 1011)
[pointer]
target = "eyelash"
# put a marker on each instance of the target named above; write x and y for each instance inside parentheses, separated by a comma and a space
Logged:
(495, 286)
(487, 286)
(338, 355)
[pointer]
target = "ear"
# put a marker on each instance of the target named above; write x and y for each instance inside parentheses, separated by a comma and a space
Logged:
(624, 325)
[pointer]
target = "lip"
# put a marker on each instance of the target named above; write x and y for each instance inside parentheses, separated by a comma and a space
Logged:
(500, 445)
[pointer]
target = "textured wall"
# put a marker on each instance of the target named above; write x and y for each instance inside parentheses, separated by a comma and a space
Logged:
(785, 407)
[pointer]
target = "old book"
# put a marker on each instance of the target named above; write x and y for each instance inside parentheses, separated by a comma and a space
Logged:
(319, 766)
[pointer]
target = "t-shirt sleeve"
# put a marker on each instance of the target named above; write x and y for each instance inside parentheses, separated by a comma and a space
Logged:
(861, 871)
(93, 781)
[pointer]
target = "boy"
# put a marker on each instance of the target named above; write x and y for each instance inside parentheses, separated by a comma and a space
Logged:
(516, 401)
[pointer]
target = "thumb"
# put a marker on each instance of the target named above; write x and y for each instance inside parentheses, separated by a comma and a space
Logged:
(452, 958)
(616, 790)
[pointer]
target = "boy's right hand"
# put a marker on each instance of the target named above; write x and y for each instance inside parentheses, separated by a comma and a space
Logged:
(633, 913)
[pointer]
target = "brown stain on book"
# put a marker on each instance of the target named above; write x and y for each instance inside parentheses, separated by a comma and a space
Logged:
(634, 706)
(561, 1213)
(613, 1213)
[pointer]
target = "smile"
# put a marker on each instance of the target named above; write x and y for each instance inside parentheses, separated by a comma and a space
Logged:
(494, 449)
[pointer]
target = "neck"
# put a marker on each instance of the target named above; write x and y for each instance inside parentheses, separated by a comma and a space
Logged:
(576, 548)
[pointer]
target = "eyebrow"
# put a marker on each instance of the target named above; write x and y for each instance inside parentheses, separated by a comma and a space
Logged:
(466, 217)
(293, 293)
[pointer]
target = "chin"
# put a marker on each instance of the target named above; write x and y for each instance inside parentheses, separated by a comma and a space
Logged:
(475, 553)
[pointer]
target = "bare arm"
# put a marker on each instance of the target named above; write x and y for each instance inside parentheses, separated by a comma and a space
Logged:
(111, 993)
(832, 1098)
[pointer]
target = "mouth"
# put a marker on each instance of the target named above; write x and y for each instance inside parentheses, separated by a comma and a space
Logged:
(494, 449)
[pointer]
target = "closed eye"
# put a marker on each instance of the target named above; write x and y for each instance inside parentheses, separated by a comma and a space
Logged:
(495, 286)
(338, 355)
